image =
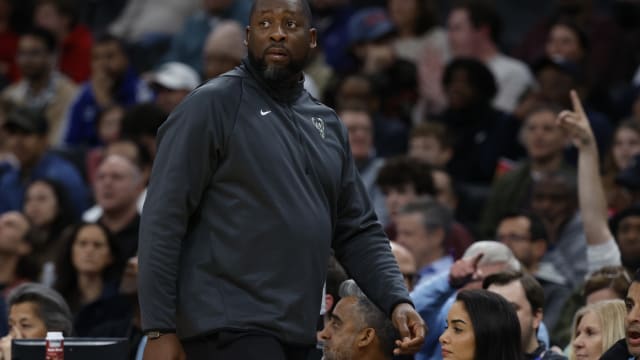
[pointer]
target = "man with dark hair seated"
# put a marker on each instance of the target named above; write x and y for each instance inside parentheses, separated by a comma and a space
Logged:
(629, 347)
(526, 295)
(404, 179)
(357, 328)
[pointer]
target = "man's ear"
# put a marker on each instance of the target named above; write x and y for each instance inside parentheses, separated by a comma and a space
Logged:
(537, 318)
(328, 302)
(313, 37)
(247, 34)
(539, 248)
(366, 337)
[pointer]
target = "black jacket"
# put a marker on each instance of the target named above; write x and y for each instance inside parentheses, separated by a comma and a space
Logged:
(618, 351)
(250, 188)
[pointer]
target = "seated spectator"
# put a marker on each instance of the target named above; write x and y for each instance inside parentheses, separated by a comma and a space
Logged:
(394, 79)
(430, 143)
(416, 29)
(15, 246)
(434, 298)
(554, 200)
(555, 80)
(608, 52)
(468, 336)
(406, 263)
(27, 132)
(34, 310)
(187, 44)
(402, 180)
(626, 227)
(474, 30)
(629, 347)
(422, 226)
(49, 211)
(359, 124)
(41, 87)
(113, 81)
(596, 328)
(141, 21)
(357, 328)
(119, 184)
(221, 51)
(482, 134)
(625, 145)
(525, 235)
(88, 277)
(389, 133)
(608, 283)
(527, 297)
(566, 41)
(172, 82)
(544, 142)
(61, 18)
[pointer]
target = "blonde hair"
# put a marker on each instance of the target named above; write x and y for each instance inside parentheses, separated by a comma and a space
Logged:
(610, 314)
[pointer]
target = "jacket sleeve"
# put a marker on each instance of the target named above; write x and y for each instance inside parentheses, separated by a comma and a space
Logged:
(361, 245)
(189, 144)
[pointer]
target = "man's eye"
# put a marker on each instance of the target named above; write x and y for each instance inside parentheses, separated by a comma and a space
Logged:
(291, 24)
(264, 23)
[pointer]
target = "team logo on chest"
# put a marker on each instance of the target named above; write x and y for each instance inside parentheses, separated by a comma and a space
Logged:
(319, 124)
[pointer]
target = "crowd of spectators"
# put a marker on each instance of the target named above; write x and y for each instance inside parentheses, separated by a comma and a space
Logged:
(497, 144)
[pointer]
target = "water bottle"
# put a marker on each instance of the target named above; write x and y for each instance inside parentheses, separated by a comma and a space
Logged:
(54, 346)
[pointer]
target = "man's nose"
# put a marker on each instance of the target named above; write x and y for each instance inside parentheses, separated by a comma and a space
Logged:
(634, 314)
(278, 34)
(324, 334)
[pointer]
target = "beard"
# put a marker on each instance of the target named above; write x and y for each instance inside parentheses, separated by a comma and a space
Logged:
(331, 354)
(275, 73)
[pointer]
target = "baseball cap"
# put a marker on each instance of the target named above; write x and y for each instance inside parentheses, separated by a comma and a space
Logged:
(564, 66)
(31, 121)
(176, 76)
(369, 24)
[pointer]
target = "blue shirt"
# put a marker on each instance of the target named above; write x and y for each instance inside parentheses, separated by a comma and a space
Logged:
(12, 186)
(84, 110)
(437, 267)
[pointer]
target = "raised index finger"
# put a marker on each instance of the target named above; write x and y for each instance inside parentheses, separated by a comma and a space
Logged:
(577, 104)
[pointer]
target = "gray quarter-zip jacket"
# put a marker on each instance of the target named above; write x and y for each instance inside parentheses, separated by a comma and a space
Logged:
(250, 189)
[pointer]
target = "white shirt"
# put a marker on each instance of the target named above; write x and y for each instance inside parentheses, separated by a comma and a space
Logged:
(513, 79)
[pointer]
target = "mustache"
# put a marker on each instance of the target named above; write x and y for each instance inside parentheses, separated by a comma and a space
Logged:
(277, 47)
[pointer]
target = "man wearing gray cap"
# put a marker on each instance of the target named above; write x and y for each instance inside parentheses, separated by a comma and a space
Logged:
(172, 82)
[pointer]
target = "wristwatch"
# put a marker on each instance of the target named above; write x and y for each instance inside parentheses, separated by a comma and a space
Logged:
(155, 334)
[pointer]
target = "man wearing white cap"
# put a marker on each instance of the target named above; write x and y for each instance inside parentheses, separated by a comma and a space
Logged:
(172, 82)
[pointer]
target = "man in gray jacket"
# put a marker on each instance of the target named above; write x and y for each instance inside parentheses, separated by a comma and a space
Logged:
(252, 186)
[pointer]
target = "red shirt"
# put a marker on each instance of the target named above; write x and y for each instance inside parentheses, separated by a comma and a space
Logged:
(8, 50)
(75, 57)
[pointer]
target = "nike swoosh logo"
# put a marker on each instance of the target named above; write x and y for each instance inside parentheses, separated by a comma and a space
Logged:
(263, 113)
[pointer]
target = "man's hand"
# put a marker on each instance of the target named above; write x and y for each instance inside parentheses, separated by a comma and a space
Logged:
(465, 271)
(166, 347)
(576, 124)
(411, 327)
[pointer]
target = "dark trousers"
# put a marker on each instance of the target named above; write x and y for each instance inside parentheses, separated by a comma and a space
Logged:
(246, 346)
